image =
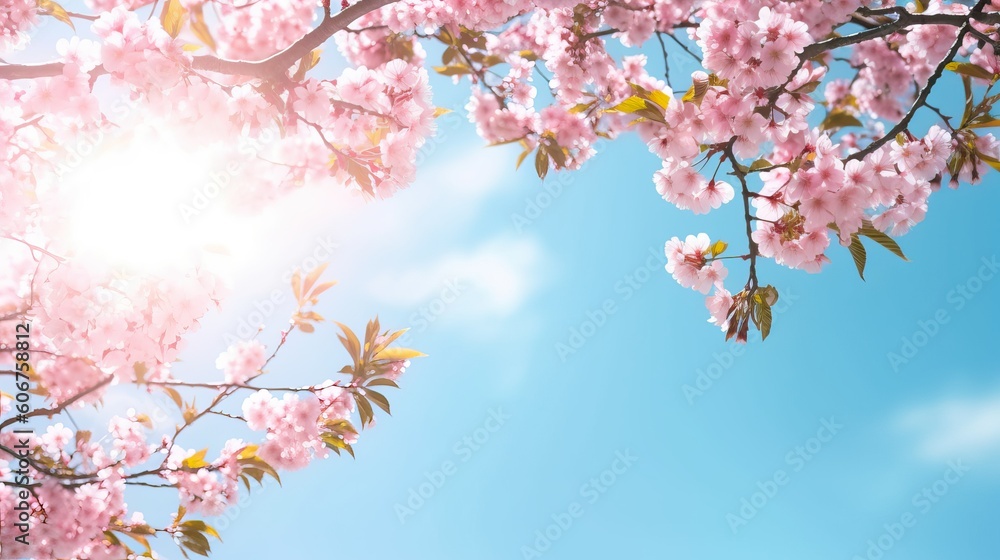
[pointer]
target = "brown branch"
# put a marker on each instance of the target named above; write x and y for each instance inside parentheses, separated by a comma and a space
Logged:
(200, 385)
(905, 19)
(276, 65)
(747, 195)
(666, 63)
(62, 406)
(41, 468)
(596, 34)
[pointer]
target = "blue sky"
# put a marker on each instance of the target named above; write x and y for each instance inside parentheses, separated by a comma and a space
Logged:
(518, 290)
(490, 298)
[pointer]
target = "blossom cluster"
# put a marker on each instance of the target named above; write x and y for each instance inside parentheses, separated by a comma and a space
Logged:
(15, 18)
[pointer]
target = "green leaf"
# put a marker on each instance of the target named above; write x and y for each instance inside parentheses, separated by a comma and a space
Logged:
(859, 254)
(839, 118)
(196, 461)
(987, 123)
(718, 247)
(880, 237)
(336, 443)
(195, 542)
(382, 381)
(764, 319)
(378, 398)
(969, 69)
(541, 163)
(364, 409)
(630, 105)
(660, 98)
(200, 526)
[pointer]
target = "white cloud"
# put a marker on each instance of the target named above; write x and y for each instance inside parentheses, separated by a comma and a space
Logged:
(955, 427)
(493, 280)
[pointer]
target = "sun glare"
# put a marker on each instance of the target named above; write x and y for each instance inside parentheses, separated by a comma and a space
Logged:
(126, 202)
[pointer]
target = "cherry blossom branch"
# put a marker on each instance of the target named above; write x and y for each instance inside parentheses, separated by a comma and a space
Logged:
(35, 248)
(62, 406)
(41, 468)
(269, 68)
(276, 65)
(228, 415)
(926, 91)
(905, 19)
(218, 399)
(194, 384)
(685, 47)
(984, 39)
(602, 33)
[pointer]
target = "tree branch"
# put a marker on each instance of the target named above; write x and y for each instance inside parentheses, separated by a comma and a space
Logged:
(269, 68)
(276, 65)
(62, 406)
(905, 19)
(926, 91)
